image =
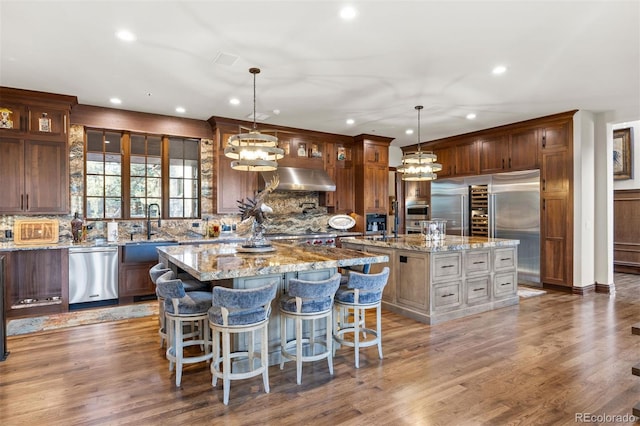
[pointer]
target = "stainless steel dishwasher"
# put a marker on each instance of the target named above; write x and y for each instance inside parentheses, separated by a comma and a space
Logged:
(93, 276)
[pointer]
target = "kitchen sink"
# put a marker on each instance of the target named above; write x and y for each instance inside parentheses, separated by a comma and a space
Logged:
(144, 251)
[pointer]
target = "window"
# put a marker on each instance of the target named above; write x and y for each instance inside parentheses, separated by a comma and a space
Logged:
(183, 177)
(104, 175)
(125, 173)
(145, 174)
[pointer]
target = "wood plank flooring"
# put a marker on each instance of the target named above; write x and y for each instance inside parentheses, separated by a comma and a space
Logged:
(541, 362)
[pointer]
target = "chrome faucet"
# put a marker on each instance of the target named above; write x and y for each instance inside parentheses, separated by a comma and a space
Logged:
(157, 208)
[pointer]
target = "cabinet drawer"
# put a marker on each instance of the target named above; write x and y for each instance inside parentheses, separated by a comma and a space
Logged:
(447, 296)
(446, 266)
(478, 289)
(477, 262)
(505, 258)
(505, 284)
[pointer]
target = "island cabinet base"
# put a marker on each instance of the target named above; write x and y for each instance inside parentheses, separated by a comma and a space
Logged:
(433, 286)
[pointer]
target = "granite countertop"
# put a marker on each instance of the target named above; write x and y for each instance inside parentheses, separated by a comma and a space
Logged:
(230, 237)
(208, 262)
(417, 242)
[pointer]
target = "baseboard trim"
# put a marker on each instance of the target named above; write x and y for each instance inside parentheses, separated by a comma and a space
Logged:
(605, 288)
(582, 291)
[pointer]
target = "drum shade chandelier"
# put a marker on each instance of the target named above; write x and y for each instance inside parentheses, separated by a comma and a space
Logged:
(419, 165)
(254, 151)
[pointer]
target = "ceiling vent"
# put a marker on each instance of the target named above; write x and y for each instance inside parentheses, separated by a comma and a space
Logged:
(259, 116)
(225, 59)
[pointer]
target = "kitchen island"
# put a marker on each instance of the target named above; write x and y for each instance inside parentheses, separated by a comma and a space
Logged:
(224, 264)
(436, 281)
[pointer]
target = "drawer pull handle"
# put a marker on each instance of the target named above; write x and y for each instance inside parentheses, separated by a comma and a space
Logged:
(503, 284)
(447, 266)
(505, 258)
(448, 295)
(478, 289)
(478, 262)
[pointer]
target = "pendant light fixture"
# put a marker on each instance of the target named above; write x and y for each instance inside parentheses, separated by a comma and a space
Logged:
(419, 165)
(254, 151)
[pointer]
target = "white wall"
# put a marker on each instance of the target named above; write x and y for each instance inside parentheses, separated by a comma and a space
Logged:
(634, 182)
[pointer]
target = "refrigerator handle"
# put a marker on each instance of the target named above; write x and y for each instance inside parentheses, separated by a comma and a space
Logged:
(462, 211)
(492, 215)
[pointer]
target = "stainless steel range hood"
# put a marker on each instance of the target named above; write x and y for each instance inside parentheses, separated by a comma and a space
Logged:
(297, 179)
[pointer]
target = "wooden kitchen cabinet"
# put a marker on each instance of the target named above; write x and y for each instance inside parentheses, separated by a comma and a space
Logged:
(40, 277)
(556, 210)
(35, 176)
(509, 152)
(376, 190)
(371, 166)
(444, 156)
(34, 165)
(376, 153)
(524, 147)
(411, 288)
(232, 185)
(418, 189)
(134, 280)
(466, 158)
(345, 182)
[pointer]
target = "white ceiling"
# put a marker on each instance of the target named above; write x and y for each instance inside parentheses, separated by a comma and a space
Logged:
(318, 70)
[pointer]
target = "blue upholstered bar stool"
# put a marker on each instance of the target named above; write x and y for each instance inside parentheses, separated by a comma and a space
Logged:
(352, 300)
(307, 301)
(236, 311)
(182, 307)
(189, 285)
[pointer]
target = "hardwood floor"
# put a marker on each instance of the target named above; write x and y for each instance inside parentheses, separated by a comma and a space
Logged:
(541, 362)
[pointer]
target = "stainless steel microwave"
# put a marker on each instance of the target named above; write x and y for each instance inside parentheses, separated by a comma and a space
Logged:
(417, 211)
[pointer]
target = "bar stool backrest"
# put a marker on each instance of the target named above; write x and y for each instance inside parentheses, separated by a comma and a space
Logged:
(232, 306)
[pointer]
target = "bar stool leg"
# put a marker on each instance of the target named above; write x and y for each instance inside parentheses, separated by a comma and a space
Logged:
(226, 365)
(356, 335)
(329, 342)
(299, 339)
(178, 350)
(379, 329)
(216, 356)
(264, 359)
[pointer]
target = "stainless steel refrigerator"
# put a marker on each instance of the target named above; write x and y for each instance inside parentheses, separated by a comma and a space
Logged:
(503, 205)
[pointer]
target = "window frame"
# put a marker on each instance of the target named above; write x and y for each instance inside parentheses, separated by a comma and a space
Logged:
(125, 174)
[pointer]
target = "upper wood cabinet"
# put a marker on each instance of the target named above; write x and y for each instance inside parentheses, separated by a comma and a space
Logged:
(509, 152)
(466, 158)
(345, 182)
(417, 189)
(446, 157)
(34, 165)
(376, 153)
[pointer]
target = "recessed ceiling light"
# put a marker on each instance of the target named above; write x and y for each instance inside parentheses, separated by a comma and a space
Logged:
(234, 101)
(180, 109)
(115, 101)
(126, 35)
(500, 69)
(350, 121)
(408, 131)
(471, 116)
(276, 111)
(348, 13)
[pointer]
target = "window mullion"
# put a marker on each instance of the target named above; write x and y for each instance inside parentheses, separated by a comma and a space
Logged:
(126, 174)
